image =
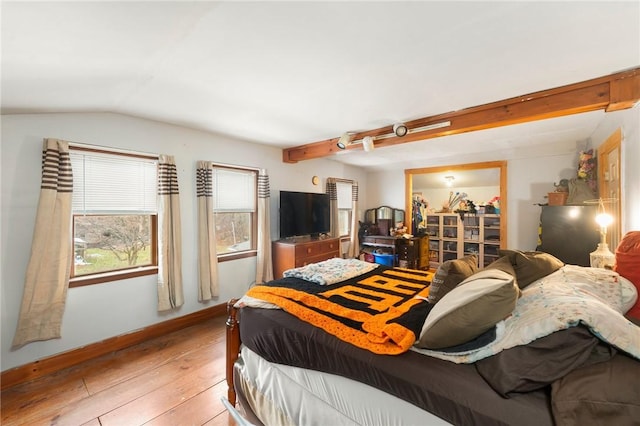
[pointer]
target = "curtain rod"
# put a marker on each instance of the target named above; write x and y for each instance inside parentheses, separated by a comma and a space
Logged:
(233, 166)
(344, 180)
(101, 148)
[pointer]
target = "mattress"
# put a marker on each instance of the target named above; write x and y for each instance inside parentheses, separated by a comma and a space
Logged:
(455, 393)
(284, 395)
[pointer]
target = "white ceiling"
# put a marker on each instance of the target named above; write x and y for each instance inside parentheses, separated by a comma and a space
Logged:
(290, 73)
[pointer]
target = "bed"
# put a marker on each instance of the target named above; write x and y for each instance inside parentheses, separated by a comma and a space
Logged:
(524, 341)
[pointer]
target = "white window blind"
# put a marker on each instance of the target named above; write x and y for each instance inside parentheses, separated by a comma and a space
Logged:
(344, 195)
(235, 190)
(113, 184)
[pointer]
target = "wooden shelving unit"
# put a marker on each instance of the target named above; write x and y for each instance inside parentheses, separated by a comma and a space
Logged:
(452, 237)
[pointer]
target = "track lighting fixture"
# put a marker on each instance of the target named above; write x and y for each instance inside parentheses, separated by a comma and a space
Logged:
(400, 129)
(345, 140)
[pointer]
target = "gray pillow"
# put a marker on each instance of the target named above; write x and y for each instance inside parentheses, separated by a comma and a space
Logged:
(450, 274)
(530, 266)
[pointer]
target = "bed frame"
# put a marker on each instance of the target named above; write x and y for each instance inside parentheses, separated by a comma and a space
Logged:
(233, 347)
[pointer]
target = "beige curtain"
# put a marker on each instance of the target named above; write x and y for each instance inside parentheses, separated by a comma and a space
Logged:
(354, 243)
(264, 267)
(332, 190)
(170, 293)
(207, 257)
(49, 267)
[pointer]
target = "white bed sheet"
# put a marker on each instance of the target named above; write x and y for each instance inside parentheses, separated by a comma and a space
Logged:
(281, 394)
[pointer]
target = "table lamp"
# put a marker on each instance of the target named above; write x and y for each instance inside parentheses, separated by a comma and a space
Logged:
(602, 256)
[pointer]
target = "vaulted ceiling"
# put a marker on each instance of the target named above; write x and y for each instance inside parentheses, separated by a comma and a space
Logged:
(293, 73)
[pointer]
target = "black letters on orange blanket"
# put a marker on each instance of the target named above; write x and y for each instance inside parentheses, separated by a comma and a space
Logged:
(381, 311)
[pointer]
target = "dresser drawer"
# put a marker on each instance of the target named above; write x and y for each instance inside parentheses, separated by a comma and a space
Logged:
(308, 250)
(317, 248)
(331, 246)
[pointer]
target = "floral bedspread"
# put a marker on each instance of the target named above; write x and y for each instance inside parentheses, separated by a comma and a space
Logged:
(573, 294)
(331, 271)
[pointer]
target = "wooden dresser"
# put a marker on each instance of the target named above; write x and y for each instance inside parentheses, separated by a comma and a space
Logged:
(293, 253)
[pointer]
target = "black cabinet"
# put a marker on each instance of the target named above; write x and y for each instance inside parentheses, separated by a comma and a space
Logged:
(569, 233)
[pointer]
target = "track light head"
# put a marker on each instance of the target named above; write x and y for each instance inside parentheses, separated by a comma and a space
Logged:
(367, 143)
(345, 140)
(400, 129)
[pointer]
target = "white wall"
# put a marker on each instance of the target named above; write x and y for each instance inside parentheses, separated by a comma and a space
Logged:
(528, 181)
(386, 189)
(97, 312)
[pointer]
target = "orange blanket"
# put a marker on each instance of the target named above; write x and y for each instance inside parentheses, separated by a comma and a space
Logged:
(381, 311)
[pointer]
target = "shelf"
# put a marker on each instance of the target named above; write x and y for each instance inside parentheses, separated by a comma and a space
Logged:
(409, 252)
(455, 237)
(380, 245)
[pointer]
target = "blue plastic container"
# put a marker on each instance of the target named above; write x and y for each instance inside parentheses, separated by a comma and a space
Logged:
(384, 259)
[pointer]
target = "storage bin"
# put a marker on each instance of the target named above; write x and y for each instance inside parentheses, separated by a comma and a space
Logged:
(384, 259)
(558, 198)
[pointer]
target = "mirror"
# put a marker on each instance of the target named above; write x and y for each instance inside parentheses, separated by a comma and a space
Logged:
(383, 212)
(370, 216)
(383, 218)
(466, 176)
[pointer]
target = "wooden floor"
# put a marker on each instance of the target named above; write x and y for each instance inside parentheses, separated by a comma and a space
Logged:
(176, 379)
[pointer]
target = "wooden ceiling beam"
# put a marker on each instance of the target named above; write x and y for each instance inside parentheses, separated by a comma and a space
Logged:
(611, 93)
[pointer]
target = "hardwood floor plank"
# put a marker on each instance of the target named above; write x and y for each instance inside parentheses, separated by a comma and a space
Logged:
(203, 374)
(104, 402)
(153, 354)
(25, 404)
(195, 411)
(173, 379)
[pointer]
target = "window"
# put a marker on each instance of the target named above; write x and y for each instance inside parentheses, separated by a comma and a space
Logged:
(344, 207)
(114, 216)
(234, 211)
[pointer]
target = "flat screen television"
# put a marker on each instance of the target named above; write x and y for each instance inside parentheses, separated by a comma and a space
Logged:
(304, 213)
